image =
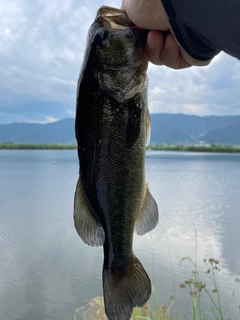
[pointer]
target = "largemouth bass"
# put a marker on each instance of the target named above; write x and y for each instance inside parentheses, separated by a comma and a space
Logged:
(112, 128)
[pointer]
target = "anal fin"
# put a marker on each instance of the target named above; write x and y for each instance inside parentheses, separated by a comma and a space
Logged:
(88, 227)
(147, 218)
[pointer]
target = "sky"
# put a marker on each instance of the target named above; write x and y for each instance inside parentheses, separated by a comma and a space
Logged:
(41, 49)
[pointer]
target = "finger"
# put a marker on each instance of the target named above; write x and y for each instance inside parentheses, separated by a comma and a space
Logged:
(147, 14)
(122, 7)
(171, 56)
(154, 45)
(174, 56)
(192, 61)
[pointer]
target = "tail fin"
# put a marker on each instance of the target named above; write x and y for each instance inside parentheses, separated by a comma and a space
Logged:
(122, 294)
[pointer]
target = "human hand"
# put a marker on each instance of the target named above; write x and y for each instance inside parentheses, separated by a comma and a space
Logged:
(161, 49)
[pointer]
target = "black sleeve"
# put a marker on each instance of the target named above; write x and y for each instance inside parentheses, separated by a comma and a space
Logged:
(205, 27)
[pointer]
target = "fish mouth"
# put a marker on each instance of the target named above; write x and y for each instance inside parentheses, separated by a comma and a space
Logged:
(125, 71)
(113, 18)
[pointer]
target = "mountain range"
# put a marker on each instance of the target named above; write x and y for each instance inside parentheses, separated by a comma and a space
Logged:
(165, 129)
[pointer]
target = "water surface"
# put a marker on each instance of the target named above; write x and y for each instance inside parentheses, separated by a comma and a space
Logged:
(46, 272)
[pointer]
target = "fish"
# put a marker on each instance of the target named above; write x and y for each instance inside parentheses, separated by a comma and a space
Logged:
(112, 127)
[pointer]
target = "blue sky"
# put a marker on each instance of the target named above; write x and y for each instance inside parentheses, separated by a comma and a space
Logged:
(41, 48)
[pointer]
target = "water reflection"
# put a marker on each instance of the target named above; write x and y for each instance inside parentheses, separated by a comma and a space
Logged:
(198, 193)
(46, 272)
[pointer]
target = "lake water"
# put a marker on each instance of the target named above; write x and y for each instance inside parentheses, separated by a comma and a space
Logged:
(46, 272)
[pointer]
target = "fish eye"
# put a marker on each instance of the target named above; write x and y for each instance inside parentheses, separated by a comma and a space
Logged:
(102, 35)
(98, 19)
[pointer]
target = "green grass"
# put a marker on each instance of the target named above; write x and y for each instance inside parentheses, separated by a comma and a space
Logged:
(217, 310)
(94, 310)
(194, 289)
(43, 146)
(212, 148)
(46, 146)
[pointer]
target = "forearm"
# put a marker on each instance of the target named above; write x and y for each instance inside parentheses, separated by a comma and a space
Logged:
(205, 27)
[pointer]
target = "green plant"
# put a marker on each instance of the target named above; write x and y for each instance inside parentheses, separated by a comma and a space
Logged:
(94, 310)
(196, 288)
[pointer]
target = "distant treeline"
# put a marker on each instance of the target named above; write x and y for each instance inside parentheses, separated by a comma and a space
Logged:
(42, 146)
(212, 148)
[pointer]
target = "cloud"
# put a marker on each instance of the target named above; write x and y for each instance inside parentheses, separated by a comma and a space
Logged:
(12, 20)
(41, 50)
(51, 119)
(202, 91)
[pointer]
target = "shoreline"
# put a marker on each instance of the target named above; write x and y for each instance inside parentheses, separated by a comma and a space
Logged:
(212, 148)
(40, 146)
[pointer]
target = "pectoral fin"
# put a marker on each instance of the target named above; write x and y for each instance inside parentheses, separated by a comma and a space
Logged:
(88, 227)
(147, 217)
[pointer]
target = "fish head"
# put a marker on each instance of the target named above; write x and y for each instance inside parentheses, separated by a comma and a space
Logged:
(117, 46)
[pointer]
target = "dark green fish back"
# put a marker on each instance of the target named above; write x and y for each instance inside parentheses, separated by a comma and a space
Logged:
(111, 131)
